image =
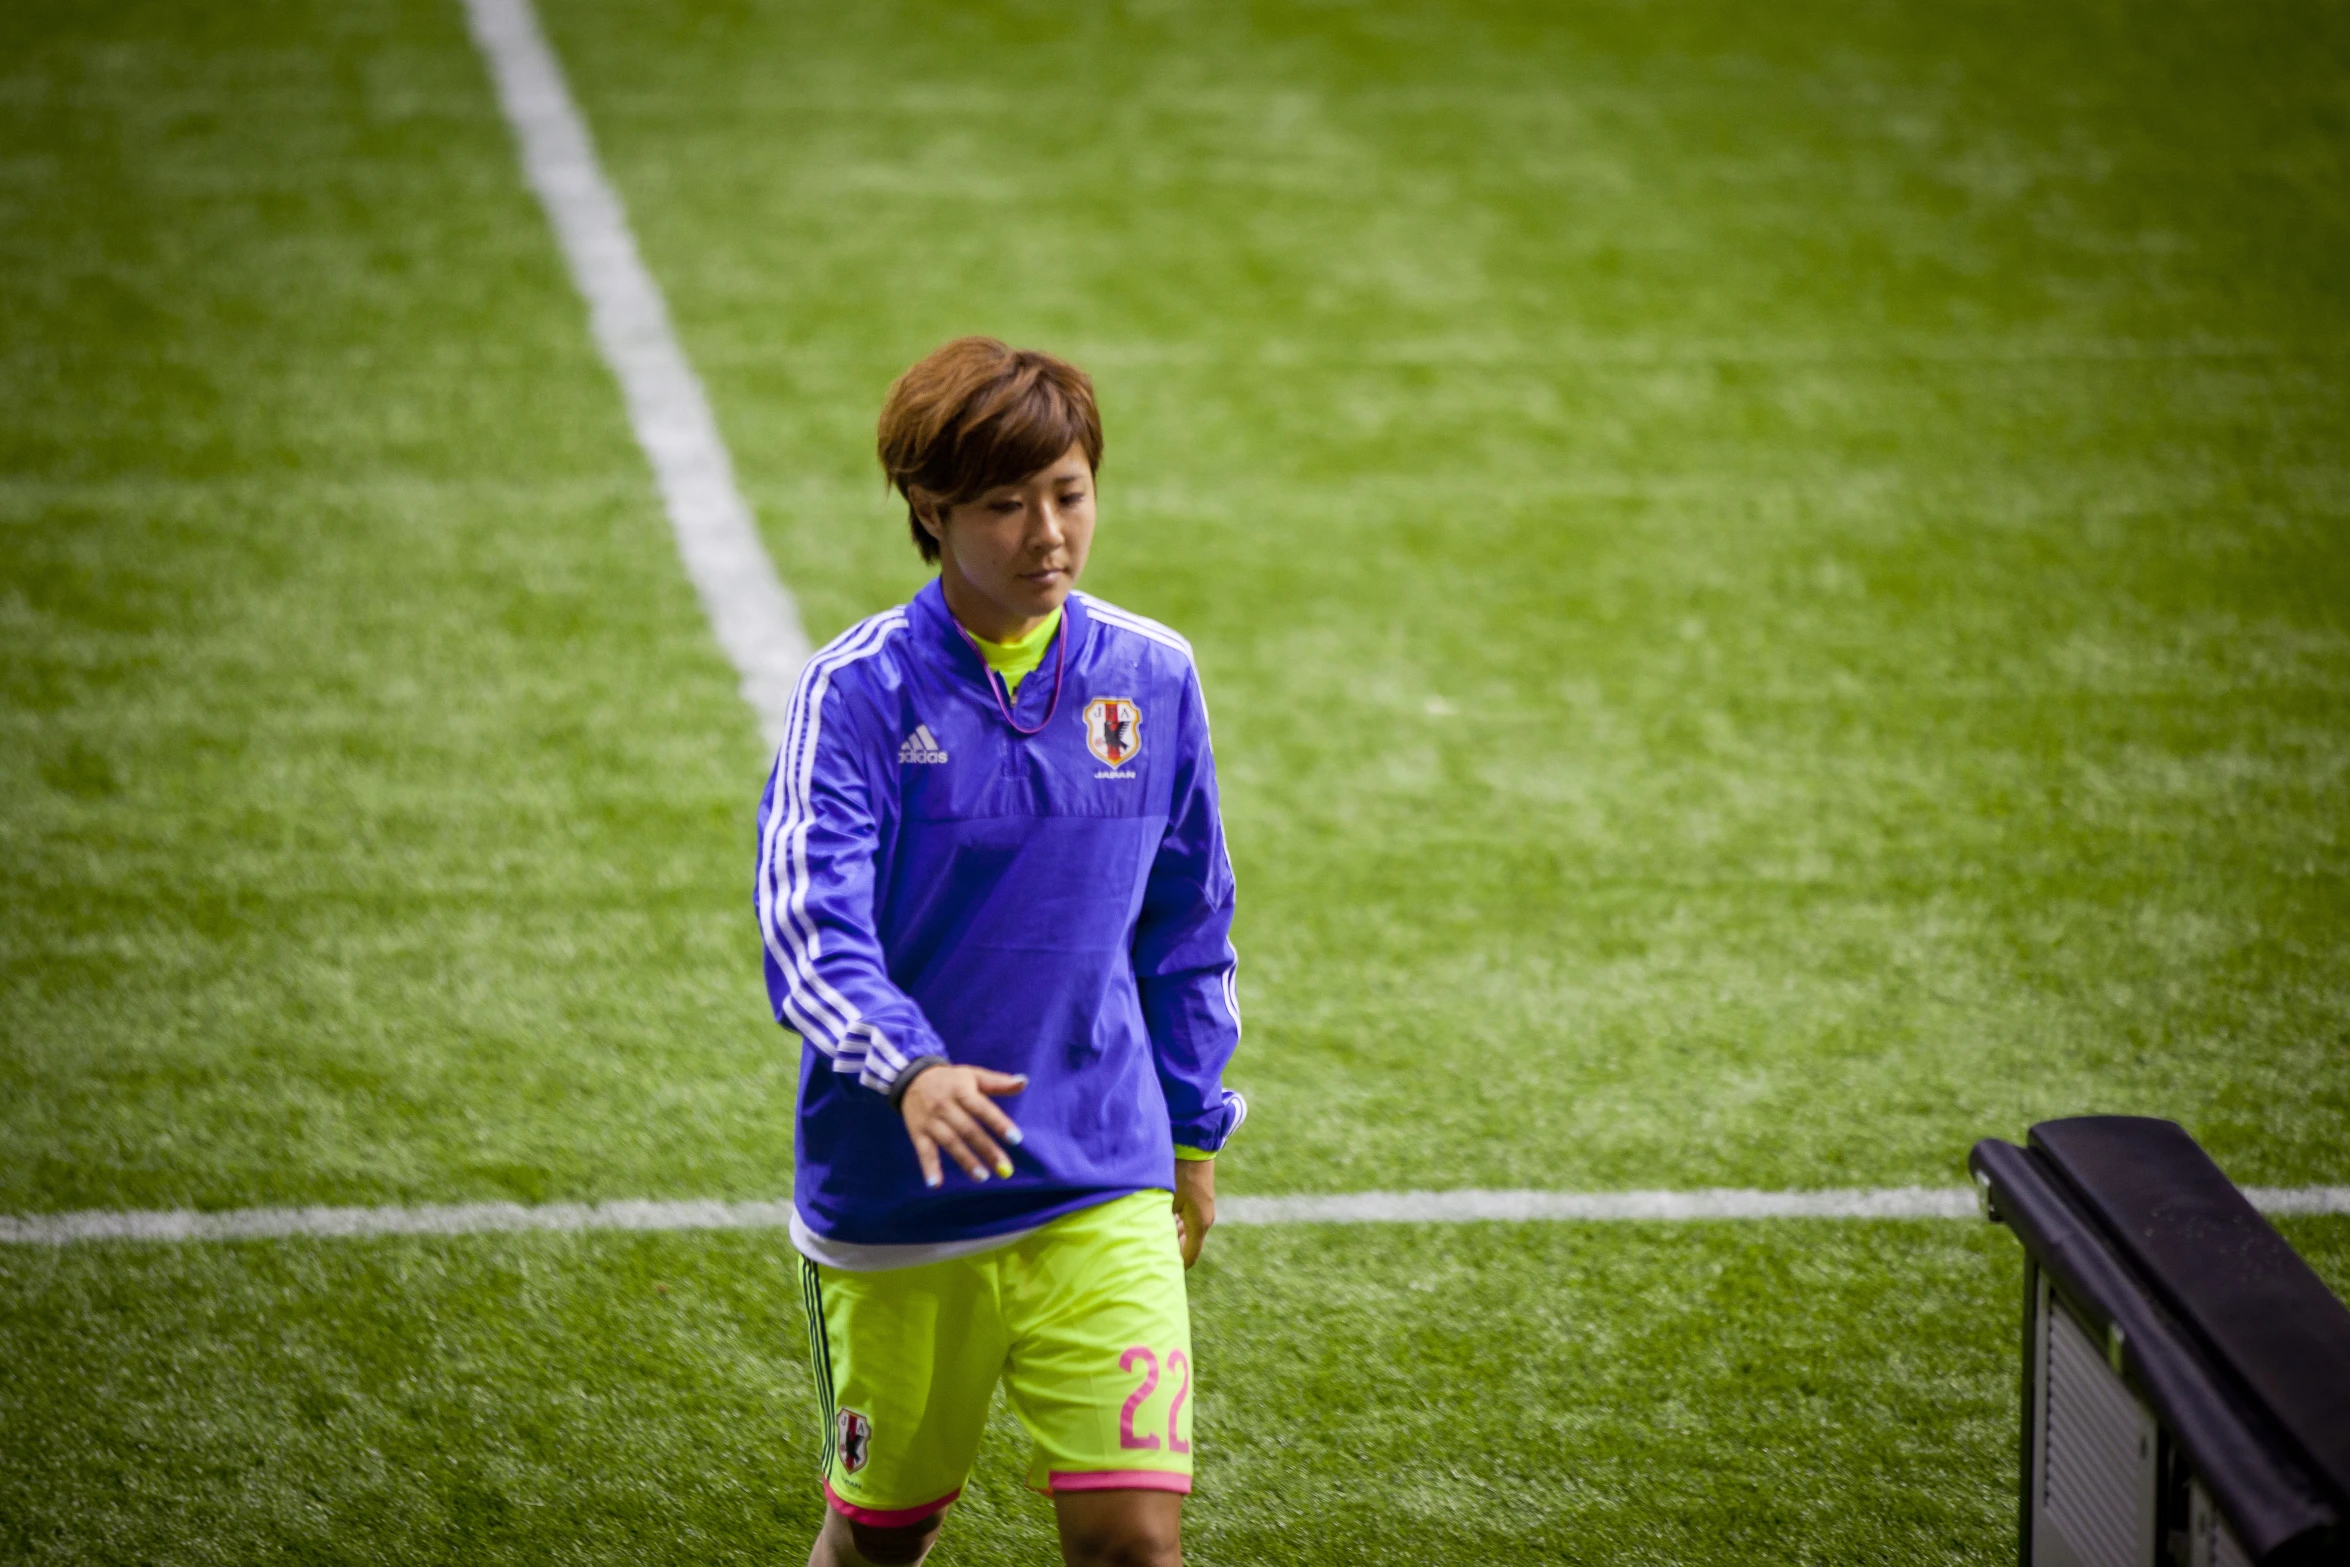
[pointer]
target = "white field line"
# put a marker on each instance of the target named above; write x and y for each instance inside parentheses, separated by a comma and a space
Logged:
(1895, 1202)
(756, 622)
(1457, 1207)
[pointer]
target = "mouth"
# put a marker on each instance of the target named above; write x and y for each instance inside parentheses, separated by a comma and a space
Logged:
(1045, 578)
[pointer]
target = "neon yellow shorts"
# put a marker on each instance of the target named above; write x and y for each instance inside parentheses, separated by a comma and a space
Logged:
(1084, 1322)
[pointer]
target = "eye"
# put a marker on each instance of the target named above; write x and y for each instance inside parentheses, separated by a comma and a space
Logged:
(1003, 508)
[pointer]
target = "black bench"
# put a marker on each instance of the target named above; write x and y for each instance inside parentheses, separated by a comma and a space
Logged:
(2186, 1377)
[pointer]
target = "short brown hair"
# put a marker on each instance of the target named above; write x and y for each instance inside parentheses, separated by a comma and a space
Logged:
(975, 414)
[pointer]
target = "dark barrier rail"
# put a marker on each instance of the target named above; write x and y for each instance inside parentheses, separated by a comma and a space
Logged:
(2186, 1377)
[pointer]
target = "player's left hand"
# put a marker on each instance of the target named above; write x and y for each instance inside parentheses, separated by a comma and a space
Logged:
(1195, 1205)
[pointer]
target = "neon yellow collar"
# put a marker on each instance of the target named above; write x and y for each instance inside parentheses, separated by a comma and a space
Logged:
(1016, 661)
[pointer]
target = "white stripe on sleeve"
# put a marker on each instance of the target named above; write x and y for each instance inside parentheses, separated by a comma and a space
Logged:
(825, 1017)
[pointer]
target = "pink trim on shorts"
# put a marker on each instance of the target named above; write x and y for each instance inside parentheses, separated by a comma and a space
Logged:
(1121, 1480)
(891, 1517)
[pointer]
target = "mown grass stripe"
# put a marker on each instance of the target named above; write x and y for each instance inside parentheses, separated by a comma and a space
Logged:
(1456, 1207)
(754, 617)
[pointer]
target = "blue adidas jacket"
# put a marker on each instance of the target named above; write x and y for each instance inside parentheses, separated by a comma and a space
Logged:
(932, 883)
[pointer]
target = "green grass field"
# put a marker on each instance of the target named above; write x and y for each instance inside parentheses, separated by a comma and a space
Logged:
(1775, 583)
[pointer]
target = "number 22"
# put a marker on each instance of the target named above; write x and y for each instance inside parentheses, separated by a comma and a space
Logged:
(1149, 1440)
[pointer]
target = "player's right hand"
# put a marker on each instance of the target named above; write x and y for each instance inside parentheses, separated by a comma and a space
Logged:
(952, 1109)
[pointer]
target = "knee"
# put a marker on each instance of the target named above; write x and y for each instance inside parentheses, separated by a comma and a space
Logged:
(1125, 1543)
(894, 1547)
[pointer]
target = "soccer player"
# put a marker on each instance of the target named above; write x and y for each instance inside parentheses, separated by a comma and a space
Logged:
(996, 902)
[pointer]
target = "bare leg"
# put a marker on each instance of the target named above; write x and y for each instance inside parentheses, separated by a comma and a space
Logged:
(1120, 1528)
(841, 1543)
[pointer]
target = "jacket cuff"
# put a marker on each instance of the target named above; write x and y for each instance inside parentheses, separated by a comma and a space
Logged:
(1204, 1137)
(1185, 1155)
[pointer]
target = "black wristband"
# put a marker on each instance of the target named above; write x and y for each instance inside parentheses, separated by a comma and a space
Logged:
(914, 1068)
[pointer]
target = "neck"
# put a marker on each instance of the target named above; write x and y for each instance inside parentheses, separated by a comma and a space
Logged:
(988, 622)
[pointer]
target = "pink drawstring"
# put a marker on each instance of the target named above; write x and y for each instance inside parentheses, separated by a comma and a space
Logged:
(995, 686)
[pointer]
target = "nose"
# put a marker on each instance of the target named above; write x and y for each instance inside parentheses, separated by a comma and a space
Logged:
(1050, 533)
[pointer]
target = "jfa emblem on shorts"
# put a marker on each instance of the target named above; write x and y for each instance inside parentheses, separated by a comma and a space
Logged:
(855, 1440)
(1113, 729)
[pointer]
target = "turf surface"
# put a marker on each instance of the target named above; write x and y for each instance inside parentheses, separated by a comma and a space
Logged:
(1771, 581)
(1772, 587)
(1807, 1391)
(374, 793)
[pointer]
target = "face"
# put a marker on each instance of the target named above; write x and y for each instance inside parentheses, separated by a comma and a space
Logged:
(1009, 557)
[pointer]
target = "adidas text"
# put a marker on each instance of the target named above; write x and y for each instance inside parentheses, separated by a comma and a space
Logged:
(921, 746)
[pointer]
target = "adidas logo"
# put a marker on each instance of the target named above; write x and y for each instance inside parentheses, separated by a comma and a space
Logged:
(921, 746)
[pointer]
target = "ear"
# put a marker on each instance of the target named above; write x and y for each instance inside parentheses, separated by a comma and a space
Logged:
(927, 513)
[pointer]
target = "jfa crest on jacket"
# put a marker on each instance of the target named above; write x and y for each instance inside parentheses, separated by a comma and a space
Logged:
(932, 881)
(1113, 729)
